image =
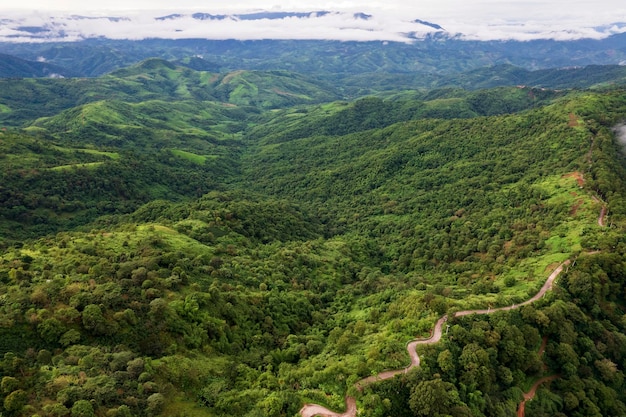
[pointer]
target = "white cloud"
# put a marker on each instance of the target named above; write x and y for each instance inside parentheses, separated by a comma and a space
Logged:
(620, 134)
(341, 26)
(476, 20)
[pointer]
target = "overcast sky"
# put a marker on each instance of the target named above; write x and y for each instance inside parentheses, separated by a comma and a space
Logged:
(589, 9)
(476, 19)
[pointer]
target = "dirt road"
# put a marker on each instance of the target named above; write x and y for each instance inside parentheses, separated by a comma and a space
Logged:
(602, 215)
(531, 394)
(310, 410)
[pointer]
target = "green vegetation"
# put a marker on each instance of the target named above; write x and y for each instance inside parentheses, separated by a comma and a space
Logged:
(198, 159)
(52, 183)
(177, 255)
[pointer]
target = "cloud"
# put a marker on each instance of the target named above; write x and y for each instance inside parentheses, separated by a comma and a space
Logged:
(620, 134)
(345, 25)
(335, 25)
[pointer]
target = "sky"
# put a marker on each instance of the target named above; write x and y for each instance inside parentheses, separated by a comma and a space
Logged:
(391, 19)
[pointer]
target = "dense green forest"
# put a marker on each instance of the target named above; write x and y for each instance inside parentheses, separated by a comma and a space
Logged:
(179, 242)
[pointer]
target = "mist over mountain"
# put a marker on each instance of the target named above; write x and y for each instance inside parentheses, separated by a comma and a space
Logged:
(319, 24)
(343, 25)
(322, 41)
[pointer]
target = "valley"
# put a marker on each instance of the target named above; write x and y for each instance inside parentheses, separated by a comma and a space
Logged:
(189, 242)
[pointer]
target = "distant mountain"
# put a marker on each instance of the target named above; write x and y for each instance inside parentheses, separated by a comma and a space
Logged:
(432, 25)
(246, 16)
(434, 56)
(199, 64)
(14, 67)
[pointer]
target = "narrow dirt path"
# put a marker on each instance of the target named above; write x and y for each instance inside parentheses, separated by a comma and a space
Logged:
(531, 393)
(602, 215)
(521, 410)
(310, 410)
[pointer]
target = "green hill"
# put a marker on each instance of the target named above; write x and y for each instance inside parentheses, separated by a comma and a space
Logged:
(164, 254)
(571, 77)
(157, 79)
(198, 125)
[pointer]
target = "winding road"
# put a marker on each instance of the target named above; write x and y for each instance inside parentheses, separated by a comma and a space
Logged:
(310, 410)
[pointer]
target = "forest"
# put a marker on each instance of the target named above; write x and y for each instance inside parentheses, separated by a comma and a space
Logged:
(179, 242)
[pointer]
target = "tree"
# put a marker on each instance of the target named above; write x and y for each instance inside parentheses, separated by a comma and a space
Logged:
(121, 411)
(70, 337)
(94, 320)
(50, 330)
(135, 367)
(9, 384)
(155, 403)
(446, 362)
(279, 404)
(82, 408)
(433, 398)
(56, 410)
(14, 402)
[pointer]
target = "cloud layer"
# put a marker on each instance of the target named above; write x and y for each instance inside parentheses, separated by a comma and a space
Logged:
(384, 25)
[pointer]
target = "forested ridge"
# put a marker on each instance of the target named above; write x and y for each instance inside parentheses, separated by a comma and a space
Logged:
(243, 244)
(360, 65)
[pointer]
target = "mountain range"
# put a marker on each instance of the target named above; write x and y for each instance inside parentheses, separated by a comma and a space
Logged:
(420, 62)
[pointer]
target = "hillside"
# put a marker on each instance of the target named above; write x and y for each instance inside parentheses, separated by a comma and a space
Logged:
(570, 77)
(14, 67)
(185, 243)
(67, 169)
(157, 79)
(106, 146)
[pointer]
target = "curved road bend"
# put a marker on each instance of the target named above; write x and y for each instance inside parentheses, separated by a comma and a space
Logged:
(310, 410)
(531, 394)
